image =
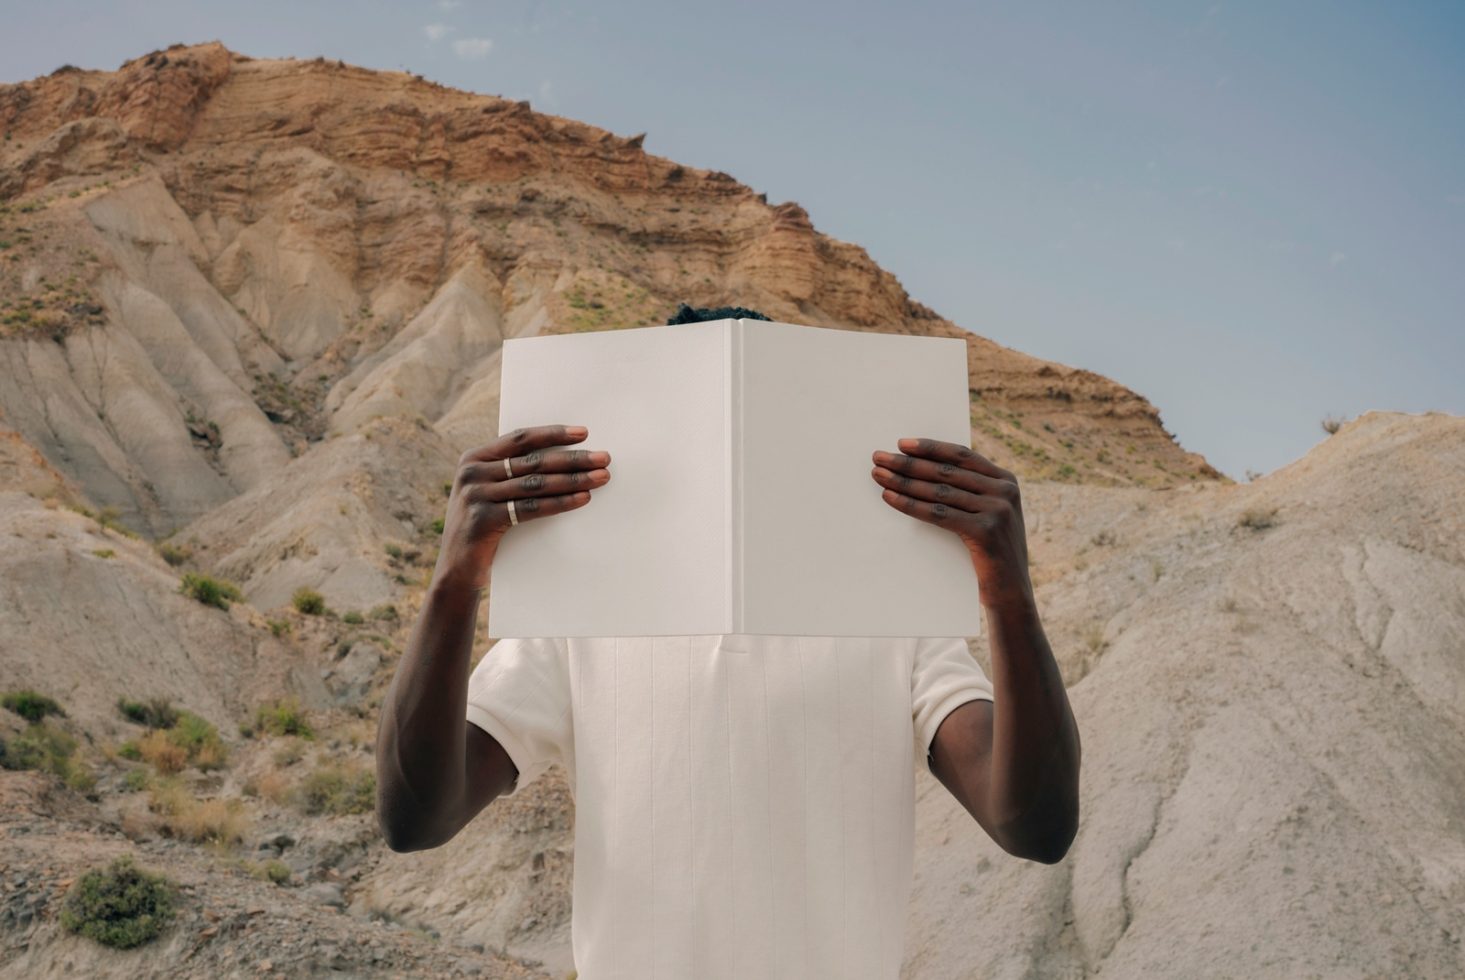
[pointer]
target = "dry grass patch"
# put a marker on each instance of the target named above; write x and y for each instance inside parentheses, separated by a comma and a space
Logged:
(178, 814)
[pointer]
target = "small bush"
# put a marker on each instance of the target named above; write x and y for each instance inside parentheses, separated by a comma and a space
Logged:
(176, 737)
(385, 611)
(121, 906)
(156, 713)
(437, 525)
(353, 617)
(201, 821)
(283, 717)
(159, 751)
(200, 739)
(309, 601)
(336, 790)
(1258, 518)
(135, 779)
(47, 749)
(30, 705)
(279, 627)
(393, 550)
(273, 870)
(103, 552)
(1331, 425)
(174, 555)
(208, 590)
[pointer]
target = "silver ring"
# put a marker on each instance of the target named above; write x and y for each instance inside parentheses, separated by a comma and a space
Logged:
(513, 517)
(508, 470)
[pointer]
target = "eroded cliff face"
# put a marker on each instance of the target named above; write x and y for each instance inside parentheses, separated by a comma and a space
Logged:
(287, 249)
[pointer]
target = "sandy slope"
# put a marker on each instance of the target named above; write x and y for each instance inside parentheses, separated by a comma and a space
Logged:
(1273, 733)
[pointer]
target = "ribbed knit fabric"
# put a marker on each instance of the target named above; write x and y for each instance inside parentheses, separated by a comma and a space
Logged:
(744, 805)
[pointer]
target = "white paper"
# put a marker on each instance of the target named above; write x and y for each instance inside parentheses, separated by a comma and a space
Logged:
(685, 539)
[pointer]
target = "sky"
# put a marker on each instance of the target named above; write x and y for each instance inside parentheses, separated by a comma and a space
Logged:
(1253, 214)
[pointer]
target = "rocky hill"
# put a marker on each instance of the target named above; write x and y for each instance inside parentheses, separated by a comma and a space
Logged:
(252, 311)
(211, 262)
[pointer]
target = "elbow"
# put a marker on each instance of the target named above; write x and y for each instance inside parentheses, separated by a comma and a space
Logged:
(1045, 838)
(403, 840)
(397, 838)
(1049, 849)
(400, 830)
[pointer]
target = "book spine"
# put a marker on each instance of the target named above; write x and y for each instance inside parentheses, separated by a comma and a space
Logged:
(733, 386)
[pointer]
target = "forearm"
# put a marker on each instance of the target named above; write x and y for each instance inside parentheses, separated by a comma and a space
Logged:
(1033, 780)
(421, 742)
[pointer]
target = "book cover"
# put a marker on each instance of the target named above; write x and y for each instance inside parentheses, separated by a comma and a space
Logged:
(741, 499)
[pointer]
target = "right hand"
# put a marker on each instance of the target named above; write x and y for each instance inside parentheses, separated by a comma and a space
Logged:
(545, 482)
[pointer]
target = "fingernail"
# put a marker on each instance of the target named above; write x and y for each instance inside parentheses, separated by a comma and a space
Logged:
(576, 430)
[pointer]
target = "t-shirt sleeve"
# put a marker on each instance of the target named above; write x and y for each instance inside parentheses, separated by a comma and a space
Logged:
(520, 694)
(944, 676)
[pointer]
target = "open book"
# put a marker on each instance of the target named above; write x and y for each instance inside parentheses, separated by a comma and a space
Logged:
(740, 498)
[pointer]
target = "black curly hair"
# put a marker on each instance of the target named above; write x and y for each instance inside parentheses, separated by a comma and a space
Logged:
(696, 314)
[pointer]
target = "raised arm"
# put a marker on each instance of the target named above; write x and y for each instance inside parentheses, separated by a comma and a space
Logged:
(435, 771)
(1013, 762)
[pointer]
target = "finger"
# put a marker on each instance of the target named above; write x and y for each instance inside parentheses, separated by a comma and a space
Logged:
(525, 440)
(546, 484)
(937, 513)
(945, 472)
(525, 508)
(951, 452)
(943, 493)
(558, 461)
(538, 461)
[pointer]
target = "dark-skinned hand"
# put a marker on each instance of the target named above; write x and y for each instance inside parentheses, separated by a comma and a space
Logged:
(955, 487)
(546, 481)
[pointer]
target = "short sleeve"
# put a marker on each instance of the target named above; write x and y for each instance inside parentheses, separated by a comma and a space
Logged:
(944, 675)
(520, 694)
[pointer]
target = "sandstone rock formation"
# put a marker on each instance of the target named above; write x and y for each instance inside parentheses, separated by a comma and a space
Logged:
(270, 252)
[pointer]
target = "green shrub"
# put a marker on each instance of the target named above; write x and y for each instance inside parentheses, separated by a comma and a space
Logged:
(353, 617)
(157, 713)
(30, 705)
(393, 550)
(309, 601)
(120, 906)
(135, 779)
(208, 590)
(47, 749)
(385, 611)
(182, 729)
(273, 870)
(103, 552)
(283, 717)
(437, 525)
(336, 790)
(200, 739)
(174, 555)
(279, 627)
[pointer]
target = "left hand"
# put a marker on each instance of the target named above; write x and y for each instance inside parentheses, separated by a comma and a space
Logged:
(955, 487)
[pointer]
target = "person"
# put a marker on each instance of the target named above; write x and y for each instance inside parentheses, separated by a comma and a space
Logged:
(744, 805)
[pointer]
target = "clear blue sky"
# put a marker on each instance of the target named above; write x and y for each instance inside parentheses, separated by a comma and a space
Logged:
(1253, 214)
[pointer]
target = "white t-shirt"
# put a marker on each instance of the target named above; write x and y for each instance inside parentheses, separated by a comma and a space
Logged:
(744, 805)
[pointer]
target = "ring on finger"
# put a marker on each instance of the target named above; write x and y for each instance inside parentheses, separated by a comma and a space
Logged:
(513, 517)
(508, 470)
